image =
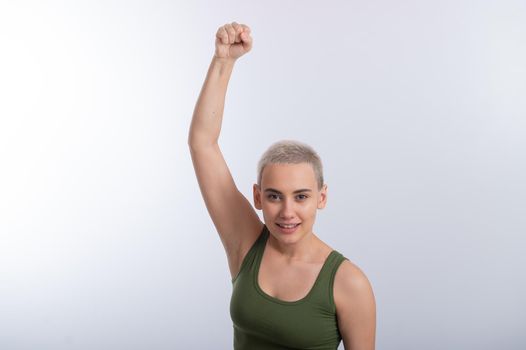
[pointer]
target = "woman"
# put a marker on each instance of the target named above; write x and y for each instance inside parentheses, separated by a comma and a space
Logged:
(290, 289)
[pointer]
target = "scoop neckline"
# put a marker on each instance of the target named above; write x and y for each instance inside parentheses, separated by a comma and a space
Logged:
(274, 299)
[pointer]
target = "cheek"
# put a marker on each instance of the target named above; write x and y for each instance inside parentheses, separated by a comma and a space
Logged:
(312, 204)
(265, 207)
(269, 208)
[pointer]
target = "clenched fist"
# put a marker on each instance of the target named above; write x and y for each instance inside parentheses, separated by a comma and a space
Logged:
(233, 41)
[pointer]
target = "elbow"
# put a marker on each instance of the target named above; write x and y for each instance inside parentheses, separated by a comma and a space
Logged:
(196, 143)
(194, 140)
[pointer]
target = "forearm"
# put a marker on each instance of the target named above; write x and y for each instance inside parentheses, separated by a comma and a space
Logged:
(208, 112)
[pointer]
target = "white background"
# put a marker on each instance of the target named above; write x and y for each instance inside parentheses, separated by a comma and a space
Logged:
(417, 109)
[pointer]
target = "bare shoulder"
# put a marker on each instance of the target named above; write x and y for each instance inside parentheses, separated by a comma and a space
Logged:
(350, 278)
(250, 237)
(355, 307)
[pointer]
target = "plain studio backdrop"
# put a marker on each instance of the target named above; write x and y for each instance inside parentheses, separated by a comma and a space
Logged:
(417, 109)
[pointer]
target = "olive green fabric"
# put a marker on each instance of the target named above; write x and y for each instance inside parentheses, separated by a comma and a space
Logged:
(263, 322)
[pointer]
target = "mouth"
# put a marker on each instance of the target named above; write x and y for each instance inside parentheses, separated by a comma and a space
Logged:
(287, 228)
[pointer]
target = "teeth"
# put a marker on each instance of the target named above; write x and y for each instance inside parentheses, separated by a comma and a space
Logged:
(288, 226)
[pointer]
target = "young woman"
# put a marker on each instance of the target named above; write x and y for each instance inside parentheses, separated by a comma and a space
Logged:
(290, 289)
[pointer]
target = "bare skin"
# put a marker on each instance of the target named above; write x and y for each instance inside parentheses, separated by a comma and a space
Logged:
(291, 261)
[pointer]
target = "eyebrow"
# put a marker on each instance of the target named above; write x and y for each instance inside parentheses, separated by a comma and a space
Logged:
(297, 191)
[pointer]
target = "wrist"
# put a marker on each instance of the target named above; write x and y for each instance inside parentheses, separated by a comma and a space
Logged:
(223, 61)
(224, 65)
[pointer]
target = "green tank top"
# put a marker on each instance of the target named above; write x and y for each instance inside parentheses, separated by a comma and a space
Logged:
(261, 321)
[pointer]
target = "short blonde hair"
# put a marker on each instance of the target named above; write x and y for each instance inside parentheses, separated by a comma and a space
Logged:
(291, 152)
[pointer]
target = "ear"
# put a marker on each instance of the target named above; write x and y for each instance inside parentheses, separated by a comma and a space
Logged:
(322, 200)
(257, 196)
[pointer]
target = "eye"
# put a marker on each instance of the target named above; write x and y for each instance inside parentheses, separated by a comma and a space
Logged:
(272, 196)
(302, 196)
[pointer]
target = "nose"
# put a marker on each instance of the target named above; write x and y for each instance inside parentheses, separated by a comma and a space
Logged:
(287, 208)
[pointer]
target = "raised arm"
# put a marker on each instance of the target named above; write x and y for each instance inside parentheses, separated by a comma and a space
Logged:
(235, 219)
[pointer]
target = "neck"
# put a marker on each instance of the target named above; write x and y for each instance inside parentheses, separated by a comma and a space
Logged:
(303, 250)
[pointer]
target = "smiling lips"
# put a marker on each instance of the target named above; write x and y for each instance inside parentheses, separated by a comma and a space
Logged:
(287, 225)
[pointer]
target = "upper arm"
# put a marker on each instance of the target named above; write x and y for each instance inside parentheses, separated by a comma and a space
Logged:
(235, 219)
(355, 307)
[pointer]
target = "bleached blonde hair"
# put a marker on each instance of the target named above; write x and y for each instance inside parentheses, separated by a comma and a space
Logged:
(291, 152)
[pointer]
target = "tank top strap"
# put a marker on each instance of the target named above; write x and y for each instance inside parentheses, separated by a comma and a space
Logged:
(324, 287)
(256, 249)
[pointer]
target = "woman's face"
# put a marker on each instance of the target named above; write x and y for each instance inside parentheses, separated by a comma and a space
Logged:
(289, 195)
